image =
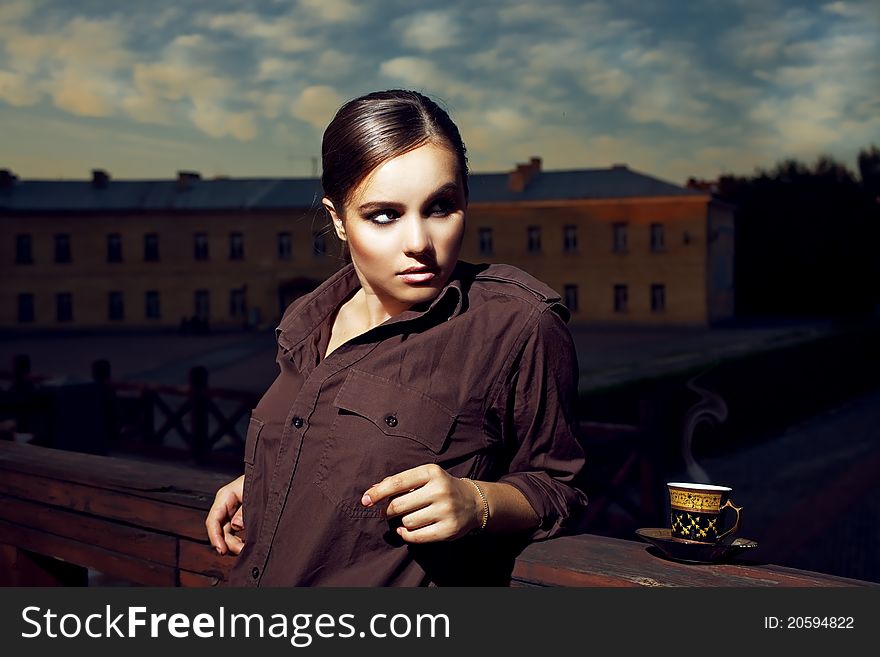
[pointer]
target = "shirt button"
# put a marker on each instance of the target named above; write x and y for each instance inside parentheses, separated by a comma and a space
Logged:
(297, 422)
(391, 420)
(255, 572)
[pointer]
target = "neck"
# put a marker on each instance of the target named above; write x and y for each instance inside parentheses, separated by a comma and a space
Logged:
(372, 310)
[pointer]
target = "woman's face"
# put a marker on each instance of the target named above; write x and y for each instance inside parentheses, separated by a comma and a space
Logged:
(404, 225)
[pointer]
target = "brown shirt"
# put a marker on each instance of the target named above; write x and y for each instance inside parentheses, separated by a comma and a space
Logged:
(482, 381)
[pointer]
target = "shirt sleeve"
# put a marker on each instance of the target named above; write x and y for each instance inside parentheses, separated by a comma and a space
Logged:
(539, 426)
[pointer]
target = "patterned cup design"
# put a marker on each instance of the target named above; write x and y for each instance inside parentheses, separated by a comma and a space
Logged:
(696, 512)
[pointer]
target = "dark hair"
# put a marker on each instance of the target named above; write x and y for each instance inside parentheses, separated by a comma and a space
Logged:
(370, 130)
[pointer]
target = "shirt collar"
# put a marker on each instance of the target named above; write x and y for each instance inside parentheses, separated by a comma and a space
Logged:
(319, 304)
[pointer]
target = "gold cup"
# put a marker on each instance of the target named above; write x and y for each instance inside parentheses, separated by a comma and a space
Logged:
(696, 511)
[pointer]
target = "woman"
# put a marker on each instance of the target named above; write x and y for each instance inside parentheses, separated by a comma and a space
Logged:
(421, 429)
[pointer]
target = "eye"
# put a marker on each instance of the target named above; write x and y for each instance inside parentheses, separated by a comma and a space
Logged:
(383, 217)
(442, 207)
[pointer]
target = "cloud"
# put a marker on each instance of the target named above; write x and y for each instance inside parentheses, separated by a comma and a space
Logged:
(77, 66)
(763, 34)
(333, 11)
(84, 95)
(12, 13)
(270, 104)
(428, 31)
(146, 109)
(217, 122)
(424, 74)
(16, 90)
(277, 68)
(332, 63)
(96, 45)
(507, 120)
(282, 34)
(316, 105)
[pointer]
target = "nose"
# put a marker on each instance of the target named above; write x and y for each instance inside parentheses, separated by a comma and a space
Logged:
(417, 239)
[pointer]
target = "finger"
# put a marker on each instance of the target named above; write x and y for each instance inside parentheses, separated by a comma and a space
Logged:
(408, 502)
(233, 542)
(214, 526)
(427, 534)
(238, 519)
(420, 518)
(402, 482)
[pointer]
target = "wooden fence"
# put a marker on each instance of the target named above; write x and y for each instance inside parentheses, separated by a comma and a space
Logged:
(62, 513)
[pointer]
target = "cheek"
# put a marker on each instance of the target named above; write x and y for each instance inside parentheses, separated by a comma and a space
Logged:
(452, 237)
(373, 246)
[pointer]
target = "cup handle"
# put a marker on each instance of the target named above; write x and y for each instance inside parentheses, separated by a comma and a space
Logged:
(730, 505)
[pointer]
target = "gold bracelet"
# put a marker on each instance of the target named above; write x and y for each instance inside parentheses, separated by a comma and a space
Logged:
(485, 502)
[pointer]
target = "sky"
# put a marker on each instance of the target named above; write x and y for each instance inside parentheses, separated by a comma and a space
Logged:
(672, 88)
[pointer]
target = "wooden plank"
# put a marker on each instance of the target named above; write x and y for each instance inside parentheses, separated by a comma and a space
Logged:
(203, 558)
(197, 580)
(617, 562)
(134, 541)
(23, 568)
(119, 565)
(135, 510)
(173, 483)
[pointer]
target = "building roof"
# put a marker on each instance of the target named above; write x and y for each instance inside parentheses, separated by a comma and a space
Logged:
(193, 193)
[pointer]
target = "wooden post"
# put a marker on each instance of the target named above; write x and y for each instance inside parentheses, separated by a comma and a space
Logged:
(198, 389)
(148, 417)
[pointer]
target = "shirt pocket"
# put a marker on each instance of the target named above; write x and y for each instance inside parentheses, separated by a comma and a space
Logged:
(380, 428)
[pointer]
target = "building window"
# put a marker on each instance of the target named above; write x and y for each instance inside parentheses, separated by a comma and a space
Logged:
(485, 237)
(569, 239)
(658, 298)
(115, 306)
(657, 242)
(114, 247)
(64, 307)
(236, 303)
(151, 305)
(571, 297)
(200, 246)
(24, 254)
(236, 246)
(285, 252)
(202, 305)
(319, 244)
(25, 308)
(619, 238)
(151, 247)
(534, 239)
(621, 298)
(62, 248)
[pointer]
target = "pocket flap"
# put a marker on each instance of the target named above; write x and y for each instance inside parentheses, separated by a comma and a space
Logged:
(255, 426)
(395, 409)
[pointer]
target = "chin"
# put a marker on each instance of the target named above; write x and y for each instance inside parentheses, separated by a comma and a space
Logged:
(412, 294)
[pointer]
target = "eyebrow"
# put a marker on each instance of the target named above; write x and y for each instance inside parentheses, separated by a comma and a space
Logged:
(443, 190)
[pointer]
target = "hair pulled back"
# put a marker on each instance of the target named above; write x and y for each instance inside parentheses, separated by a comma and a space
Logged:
(372, 129)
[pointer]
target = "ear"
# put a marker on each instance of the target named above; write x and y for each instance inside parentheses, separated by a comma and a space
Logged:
(338, 225)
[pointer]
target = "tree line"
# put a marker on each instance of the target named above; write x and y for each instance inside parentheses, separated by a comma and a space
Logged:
(807, 238)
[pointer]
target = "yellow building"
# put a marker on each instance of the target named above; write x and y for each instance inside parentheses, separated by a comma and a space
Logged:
(619, 246)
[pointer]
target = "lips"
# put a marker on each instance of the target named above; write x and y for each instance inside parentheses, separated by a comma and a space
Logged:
(416, 275)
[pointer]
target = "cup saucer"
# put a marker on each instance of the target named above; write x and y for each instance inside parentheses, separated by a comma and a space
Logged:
(680, 549)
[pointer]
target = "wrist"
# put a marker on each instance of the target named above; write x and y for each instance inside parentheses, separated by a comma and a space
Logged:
(481, 505)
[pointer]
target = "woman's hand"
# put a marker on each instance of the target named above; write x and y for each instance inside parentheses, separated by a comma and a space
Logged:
(226, 517)
(432, 504)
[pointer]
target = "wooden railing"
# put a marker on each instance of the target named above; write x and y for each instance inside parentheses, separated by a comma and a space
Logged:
(192, 422)
(62, 513)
